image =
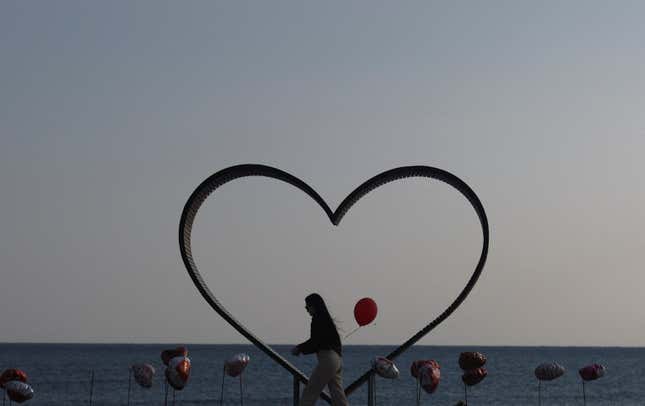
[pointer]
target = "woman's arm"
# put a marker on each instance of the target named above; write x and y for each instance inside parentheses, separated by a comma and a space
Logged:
(310, 346)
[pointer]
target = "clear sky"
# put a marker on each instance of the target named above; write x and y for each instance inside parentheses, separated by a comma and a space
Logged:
(111, 113)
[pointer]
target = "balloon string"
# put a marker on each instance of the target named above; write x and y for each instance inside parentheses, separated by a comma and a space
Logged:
(241, 393)
(221, 399)
(91, 387)
(353, 331)
(129, 385)
(465, 393)
(584, 396)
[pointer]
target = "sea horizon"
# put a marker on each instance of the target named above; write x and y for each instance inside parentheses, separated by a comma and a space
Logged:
(66, 373)
(179, 342)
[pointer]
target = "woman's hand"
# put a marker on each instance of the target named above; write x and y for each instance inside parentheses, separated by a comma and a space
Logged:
(295, 351)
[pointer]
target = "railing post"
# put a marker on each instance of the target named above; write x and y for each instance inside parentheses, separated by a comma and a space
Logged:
(296, 390)
(371, 390)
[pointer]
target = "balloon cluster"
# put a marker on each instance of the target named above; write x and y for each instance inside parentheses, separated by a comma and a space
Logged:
(590, 373)
(178, 367)
(14, 382)
(427, 373)
(472, 363)
(547, 372)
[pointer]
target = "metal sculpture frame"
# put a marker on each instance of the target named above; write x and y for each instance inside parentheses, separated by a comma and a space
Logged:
(229, 174)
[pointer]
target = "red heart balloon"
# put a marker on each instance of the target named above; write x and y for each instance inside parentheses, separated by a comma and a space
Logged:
(428, 372)
(474, 376)
(178, 372)
(12, 374)
(471, 360)
(236, 365)
(167, 355)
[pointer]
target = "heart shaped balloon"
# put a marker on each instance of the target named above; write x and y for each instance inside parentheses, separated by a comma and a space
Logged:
(474, 376)
(549, 371)
(12, 374)
(143, 374)
(19, 391)
(178, 372)
(471, 360)
(385, 368)
(428, 373)
(167, 355)
(224, 176)
(592, 372)
(236, 364)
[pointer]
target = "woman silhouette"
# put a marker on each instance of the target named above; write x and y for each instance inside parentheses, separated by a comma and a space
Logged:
(325, 342)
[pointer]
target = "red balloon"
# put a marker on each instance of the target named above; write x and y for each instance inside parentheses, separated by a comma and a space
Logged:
(12, 374)
(471, 360)
(178, 372)
(235, 366)
(428, 372)
(167, 355)
(143, 374)
(365, 311)
(592, 372)
(473, 376)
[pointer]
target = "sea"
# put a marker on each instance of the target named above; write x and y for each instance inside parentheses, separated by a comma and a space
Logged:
(61, 374)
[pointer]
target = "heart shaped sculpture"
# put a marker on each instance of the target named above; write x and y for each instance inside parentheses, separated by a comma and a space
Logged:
(224, 176)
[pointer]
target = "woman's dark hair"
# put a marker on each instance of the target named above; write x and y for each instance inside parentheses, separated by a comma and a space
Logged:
(316, 302)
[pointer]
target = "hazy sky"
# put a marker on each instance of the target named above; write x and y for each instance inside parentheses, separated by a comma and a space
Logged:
(111, 113)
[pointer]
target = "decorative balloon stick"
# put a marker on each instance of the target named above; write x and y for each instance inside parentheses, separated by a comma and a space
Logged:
(91, 386)
(427, 373)
(129, 384)
(472, 363)
(365, 312)
(18, 391)
(590, 373)
(547, 372)
(177, 371)
(384, 368)
(8, 380)
(177, 374)
(14, 383)
(143, 374)
(234, 367)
